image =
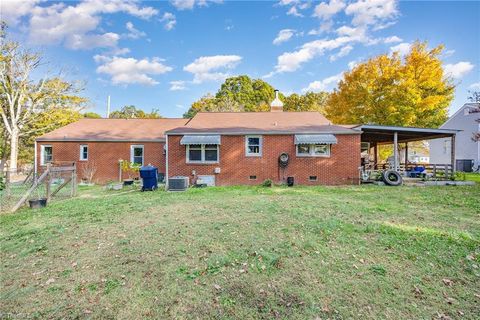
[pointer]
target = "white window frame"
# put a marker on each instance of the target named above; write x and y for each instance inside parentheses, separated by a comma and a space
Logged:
(135, 146)
(202, 155)
(42, 154)
(260, 146)
(82, 146)
(311, 151)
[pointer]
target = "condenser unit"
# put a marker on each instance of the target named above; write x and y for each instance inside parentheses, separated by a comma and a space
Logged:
(178, 183)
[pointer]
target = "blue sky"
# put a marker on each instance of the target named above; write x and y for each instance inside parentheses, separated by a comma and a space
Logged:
(166, 54)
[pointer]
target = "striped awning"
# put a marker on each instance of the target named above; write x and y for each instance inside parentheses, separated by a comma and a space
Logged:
(315, 138)
(197, 139)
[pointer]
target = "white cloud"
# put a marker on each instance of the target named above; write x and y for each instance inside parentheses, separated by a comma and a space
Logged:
(130, 70)
(474, 86)
(326, 10)
(322, 85)
(283, 36)
(169, 19)
(75, 25)
(392, 39)
(342, 53)
(372, 12)
(324, 26)
(458, 70)
(207, 68)
(403, 48)
(12, 10)
(353, 64)
(133, 33)
(177, 85)
(190, 4)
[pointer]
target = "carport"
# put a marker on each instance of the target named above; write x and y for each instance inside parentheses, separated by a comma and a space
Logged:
(376, 135)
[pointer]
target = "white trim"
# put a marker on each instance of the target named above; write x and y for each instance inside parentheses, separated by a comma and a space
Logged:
(166, 162)
(96, 140)
(35, 163)
(135, 146)
(260, 146)
(42, 154)
(311, 148)
(202, 155)
(81, 158)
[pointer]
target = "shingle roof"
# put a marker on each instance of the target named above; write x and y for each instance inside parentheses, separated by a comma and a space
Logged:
(260, 122)
(114, 130)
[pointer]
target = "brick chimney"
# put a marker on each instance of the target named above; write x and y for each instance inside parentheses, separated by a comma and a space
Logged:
(277, 104)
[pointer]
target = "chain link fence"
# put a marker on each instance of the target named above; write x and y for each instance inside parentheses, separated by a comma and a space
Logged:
(58, 183)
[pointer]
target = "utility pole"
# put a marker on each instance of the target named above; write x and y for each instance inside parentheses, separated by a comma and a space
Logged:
(108, 106)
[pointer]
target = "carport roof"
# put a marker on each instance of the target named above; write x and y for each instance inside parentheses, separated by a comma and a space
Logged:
(384, 134)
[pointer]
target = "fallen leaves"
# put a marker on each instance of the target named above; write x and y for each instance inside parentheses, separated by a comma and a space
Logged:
(447, 282)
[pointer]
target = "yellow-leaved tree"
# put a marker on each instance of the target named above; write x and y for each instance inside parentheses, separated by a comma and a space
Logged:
(389, 90)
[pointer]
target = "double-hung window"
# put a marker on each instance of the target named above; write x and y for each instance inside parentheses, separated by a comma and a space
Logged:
(46, 154)
(313, 150)
(253, 146)
(83, 152)
(136, 154)
(202, 153)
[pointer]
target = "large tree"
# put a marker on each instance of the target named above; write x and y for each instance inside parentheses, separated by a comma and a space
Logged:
(389, 90)
(25, 100)
(131, 112)
(243, 94)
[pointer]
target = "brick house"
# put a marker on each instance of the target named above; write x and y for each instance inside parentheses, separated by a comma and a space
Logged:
(103, 142)
(244, 148)
(223, 148)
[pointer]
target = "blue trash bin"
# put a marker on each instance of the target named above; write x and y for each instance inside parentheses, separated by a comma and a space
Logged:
(149, 177)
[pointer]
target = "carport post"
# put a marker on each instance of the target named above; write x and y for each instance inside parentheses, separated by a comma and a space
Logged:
(395, 151)
(406, 156)
(452, 154)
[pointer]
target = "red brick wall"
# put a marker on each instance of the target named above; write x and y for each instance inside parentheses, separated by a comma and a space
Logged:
(105, 155)
(340, 168)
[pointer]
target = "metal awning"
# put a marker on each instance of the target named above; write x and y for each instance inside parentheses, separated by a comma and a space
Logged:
(315, 138)
(197, 139)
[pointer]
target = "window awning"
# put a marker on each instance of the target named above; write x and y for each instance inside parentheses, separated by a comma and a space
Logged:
(315, 138)
(197, 139)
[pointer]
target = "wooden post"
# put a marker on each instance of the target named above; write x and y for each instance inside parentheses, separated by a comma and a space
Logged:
(395, 151)
(7, 183)
(74, 180)
(434, 170)
(48, 182)
(375, 156)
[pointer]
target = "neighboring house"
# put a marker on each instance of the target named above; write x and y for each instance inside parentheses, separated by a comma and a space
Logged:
(466, 149)
(103, 142)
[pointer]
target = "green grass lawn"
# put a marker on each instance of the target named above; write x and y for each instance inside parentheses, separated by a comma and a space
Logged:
(472, 176)
(246, 253)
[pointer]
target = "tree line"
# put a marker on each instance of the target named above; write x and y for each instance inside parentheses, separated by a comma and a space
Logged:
(387, 89)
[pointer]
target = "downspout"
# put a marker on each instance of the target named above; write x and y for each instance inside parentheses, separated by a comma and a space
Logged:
(166, 161)
(35, 163)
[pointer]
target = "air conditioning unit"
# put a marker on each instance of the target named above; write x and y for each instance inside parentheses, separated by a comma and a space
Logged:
(178, 183)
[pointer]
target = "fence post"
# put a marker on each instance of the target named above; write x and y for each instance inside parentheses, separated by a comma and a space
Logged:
(48, 182)
(74, 180)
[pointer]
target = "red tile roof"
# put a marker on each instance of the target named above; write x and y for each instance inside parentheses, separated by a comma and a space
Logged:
(114, 130)
(259, 122)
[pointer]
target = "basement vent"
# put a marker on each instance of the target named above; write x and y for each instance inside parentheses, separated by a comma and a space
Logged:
(312, 178)
(253, 177)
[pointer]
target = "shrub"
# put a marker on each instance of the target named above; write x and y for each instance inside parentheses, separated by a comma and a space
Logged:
(267, 183)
